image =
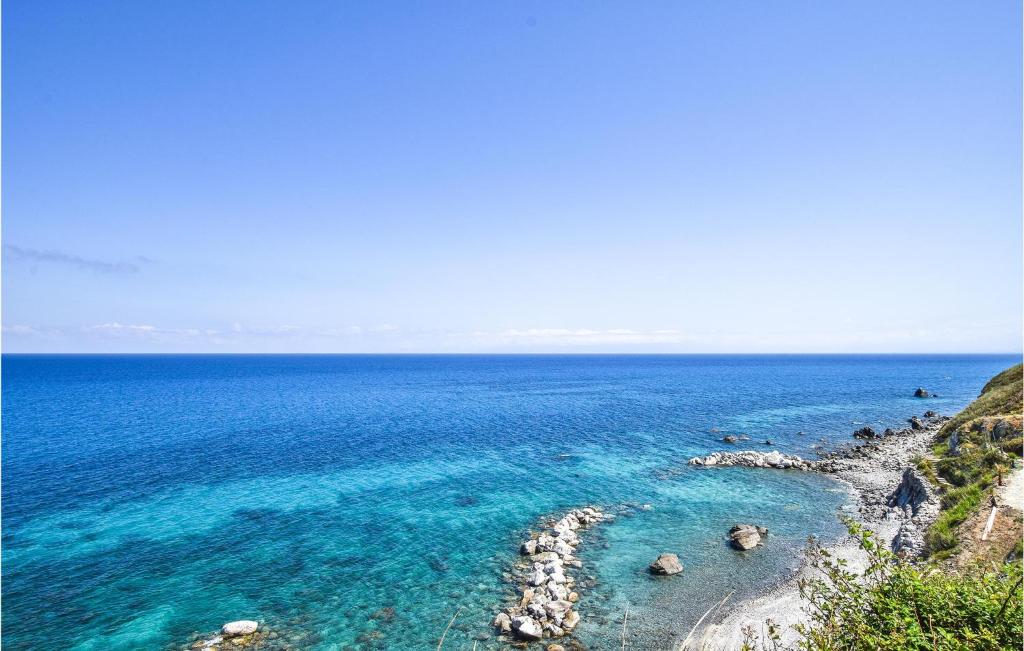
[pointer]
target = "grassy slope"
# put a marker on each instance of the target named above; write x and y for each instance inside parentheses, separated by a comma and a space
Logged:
(972, 470)
(1001, 396)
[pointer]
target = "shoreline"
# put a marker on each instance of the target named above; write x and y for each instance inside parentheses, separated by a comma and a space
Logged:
(874, 475)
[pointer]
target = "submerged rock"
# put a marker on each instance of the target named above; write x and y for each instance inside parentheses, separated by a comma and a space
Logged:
(729, 439)
(666, 565)
(502, 622)
(240, 627)
(571, 619)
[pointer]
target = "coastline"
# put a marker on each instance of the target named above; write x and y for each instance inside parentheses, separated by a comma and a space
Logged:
(874, 474)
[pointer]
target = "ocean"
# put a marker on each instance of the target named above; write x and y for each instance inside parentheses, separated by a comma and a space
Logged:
(150, 498)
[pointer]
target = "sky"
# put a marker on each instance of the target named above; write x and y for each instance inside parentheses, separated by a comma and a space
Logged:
(702, 177)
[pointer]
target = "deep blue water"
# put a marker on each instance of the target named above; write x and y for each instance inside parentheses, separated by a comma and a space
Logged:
(149, 497)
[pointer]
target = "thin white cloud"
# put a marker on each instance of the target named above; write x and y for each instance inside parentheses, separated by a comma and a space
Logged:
(581, 337)
(19, 329)
(145, 330)
(14, 253)
(115, 327)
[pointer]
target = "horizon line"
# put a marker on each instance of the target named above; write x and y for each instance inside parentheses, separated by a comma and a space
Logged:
(512, 354)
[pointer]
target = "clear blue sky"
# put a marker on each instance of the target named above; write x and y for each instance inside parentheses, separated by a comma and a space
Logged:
(572, 176)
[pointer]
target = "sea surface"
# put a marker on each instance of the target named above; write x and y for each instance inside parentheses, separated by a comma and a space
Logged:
(150, 498)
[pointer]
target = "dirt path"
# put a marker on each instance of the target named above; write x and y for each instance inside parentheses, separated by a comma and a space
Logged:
(1011, 493)
(1007, 526)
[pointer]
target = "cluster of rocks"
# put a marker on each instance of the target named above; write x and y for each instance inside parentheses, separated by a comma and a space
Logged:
(924, 393)
(830, 462)
(746, 536)
(545, 608)
(240, 634)
(753, 459)
(914, 497)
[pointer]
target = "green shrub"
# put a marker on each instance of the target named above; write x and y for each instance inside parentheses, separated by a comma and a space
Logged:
(1017, 552)
(1013, 446)
(927, 469)
(894, 605)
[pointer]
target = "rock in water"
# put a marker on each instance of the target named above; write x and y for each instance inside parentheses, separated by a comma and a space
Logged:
(667, 565)
(865, 433)
(921, 393)
(502, 622)
(241, 627)
(728, 439)
(571, 619)
(527, 628)
(746, 536)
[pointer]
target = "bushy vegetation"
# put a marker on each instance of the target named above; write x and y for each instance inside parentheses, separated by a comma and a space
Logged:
(894, 605)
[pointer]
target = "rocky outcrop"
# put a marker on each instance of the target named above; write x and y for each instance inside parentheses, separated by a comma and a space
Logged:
(728, 439)
(746, 536)
(666, 565)
(911, 493)
(753, 459)
(866, 433)
(914, 501)
(915, 423)
(921, 393)
(548, 592)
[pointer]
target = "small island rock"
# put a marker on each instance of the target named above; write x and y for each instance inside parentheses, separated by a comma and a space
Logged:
(746, 536)
(921, 393)
(666, 565)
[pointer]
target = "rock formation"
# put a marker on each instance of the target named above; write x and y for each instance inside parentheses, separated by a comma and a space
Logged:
(666, 565)
(545, 608)
(746, 536)
(752, 459)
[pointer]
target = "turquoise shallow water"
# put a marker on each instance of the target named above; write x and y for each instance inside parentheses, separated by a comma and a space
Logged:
(147, 498)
